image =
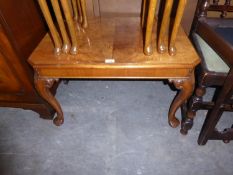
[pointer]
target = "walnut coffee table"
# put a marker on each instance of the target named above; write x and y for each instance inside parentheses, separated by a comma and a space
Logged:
(112, 48)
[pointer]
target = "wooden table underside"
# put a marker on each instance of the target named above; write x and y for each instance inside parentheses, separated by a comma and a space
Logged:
(112, 48)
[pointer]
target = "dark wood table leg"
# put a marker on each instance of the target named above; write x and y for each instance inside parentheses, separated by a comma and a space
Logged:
(43, 86)
(186, 87)
(192, 108)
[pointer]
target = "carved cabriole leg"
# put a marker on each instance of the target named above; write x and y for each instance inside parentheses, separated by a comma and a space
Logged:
(43, 86)
(164, 26)
(52, 28)
(180, 12)
(186, 87)
(187, 124)
(58, 14)
(148, 50)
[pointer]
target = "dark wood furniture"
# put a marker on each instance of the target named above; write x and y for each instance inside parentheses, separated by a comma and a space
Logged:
(223, 99)
(213, 39)
(21, 29)
(112, 48)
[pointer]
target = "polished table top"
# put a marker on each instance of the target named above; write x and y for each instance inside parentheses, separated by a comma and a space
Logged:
(114, 43)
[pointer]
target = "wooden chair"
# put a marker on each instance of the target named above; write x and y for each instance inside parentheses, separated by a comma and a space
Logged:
(223, 100)
(164, 42)
(76, 11)
(213, 40)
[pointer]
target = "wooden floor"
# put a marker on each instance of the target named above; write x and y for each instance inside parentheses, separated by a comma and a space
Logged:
(114, 43)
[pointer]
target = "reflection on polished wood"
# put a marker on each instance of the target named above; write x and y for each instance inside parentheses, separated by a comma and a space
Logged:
(112, 49)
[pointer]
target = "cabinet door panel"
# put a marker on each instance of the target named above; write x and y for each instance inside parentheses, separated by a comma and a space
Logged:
(8, 81)
(24, 24)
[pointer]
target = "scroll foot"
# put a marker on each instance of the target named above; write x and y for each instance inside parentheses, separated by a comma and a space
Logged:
(43, 86)
(186, 87)
(58, 120)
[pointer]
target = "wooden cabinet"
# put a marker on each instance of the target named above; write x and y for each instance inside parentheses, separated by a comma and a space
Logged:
(21, 29)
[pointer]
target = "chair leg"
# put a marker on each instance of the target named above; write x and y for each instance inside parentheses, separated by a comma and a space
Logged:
(215, 114)
(143, 18)
(80, 11)
(187, 123)
(66, 42)
(165, 23)
(180, 11)
(210, 123)
(51, 25)
(84, 13)
(148, 50)
(71, 26)
(75, 9)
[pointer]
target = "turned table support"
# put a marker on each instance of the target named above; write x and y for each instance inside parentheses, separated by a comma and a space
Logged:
(43, 86)
(186, 87)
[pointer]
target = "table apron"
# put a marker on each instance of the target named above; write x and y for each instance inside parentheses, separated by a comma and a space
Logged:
(116, 73)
